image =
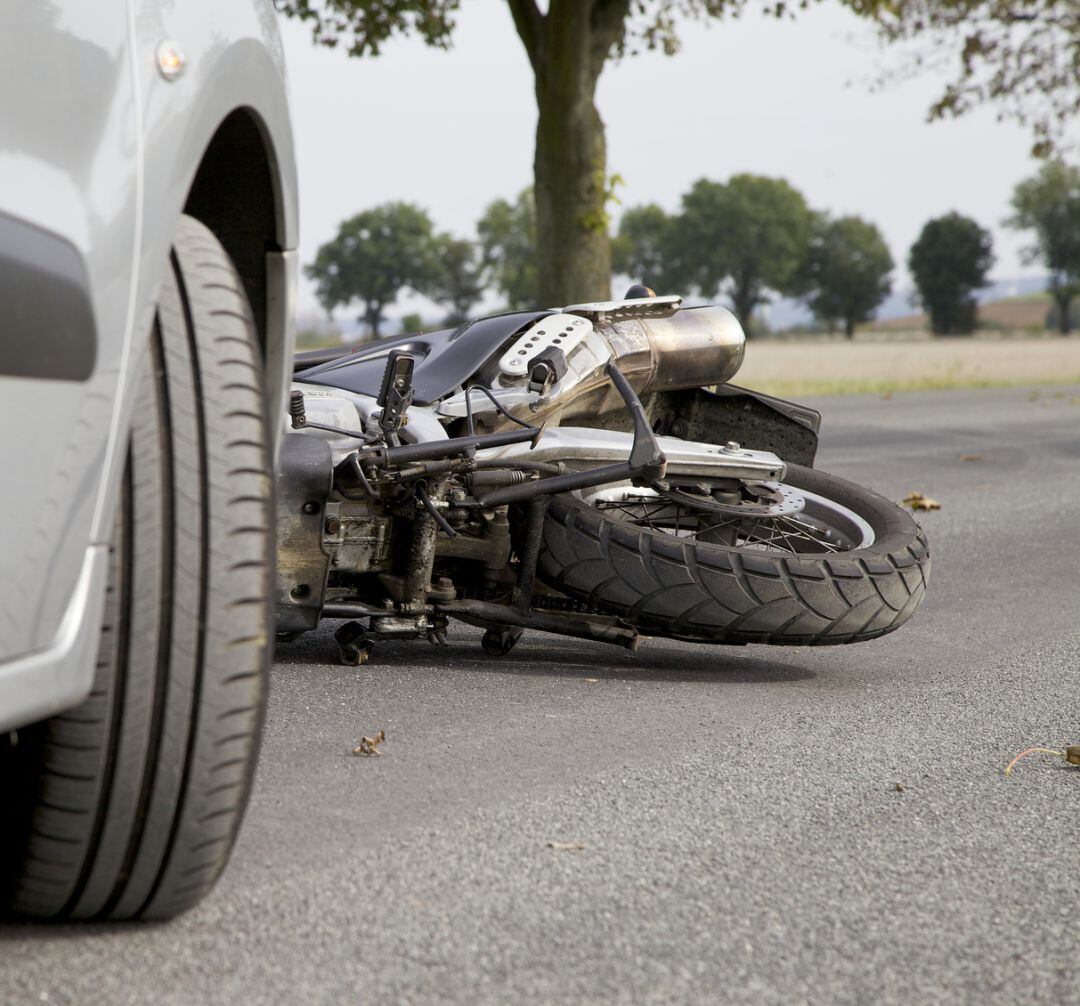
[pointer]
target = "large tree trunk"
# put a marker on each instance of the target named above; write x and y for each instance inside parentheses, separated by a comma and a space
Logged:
(745, 296)
(1064, 305)
(373, 316)
(574, 249)
(568, 47)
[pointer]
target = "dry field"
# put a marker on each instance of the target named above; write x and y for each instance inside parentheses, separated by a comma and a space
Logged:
(1019, 314)
(836, 366)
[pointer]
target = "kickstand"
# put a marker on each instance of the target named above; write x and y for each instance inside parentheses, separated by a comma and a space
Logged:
(498, 642)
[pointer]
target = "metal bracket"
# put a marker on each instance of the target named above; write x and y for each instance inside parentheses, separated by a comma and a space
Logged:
(624, 310)
(646, 462)
(396, 393)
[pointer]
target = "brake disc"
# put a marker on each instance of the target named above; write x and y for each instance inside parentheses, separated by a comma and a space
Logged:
(755, 499)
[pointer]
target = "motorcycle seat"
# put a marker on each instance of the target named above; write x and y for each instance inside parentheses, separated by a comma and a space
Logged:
(445, 359)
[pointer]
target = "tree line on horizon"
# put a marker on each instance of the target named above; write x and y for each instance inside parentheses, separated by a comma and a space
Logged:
(743, 240)
(1019, 55)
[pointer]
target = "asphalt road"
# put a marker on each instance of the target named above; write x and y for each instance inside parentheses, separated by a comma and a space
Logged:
(745, 839)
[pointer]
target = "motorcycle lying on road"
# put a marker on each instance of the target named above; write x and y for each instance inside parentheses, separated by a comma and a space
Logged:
(587, 471)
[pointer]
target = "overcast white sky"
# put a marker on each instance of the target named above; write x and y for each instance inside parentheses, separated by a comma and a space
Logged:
(452, 131)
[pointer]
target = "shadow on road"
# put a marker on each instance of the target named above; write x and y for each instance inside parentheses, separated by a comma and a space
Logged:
(657, 660)
(16, 931)
(654, 662)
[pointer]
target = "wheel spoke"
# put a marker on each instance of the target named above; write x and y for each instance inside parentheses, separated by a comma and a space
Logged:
(806, 533)
(681, 517)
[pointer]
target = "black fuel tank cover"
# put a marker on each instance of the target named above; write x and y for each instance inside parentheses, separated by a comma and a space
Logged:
(445, 360)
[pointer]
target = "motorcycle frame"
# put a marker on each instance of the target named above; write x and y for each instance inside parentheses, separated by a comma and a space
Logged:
(307, 478)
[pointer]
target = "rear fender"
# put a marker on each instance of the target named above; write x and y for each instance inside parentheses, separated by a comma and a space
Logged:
(756, 421)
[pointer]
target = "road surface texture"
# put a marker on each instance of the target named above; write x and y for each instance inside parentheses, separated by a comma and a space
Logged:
(744, 837)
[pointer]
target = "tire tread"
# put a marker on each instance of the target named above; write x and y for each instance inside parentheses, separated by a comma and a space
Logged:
(135, 784)
(713, 593)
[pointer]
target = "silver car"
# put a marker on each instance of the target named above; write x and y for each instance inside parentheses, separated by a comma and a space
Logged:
(148, 229)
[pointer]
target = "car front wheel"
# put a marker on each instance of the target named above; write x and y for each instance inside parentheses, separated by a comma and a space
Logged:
(128, 805)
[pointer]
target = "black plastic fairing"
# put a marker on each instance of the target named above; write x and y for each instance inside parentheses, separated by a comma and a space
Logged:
(445, 359)
(757, 421)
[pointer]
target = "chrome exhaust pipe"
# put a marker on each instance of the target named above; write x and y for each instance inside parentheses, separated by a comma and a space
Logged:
(688, 349)
(662, 350)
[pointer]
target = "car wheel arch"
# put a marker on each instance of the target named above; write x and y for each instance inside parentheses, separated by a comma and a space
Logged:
(236, 192)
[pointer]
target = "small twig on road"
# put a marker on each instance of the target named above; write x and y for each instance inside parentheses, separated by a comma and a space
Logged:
(1071, 754)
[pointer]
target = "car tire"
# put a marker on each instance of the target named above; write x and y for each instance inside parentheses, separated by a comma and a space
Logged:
(127, 806)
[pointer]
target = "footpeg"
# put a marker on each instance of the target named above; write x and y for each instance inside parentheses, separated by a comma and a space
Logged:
(354, 648)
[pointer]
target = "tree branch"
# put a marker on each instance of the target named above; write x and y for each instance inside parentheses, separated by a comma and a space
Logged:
(607, 26)
(529, 23)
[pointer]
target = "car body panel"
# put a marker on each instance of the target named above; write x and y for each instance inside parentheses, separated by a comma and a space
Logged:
(49, 327)
(53, 679)
(229, 66)
(98, 150)
(65, 132)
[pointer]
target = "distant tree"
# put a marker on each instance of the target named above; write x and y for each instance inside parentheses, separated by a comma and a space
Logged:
(846, 273)
(1020, 55)
(949, 262)
(507, 235)
(1049, 205)
(568, 44)
(457, 277)
(411, 323)
(743, 238)
(646, 248)
(375, 255)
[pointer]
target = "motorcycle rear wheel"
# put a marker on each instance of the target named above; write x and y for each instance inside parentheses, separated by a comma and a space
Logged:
(860, 581)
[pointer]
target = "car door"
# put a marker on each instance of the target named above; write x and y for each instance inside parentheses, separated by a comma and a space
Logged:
(69, 216)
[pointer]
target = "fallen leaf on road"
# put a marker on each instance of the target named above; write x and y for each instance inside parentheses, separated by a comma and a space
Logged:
(917, 501)
(971, 457)
(370, 745)
(566, 846)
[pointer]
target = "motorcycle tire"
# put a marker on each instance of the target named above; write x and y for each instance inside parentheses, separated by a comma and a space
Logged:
(127, 806)
(665, 585)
